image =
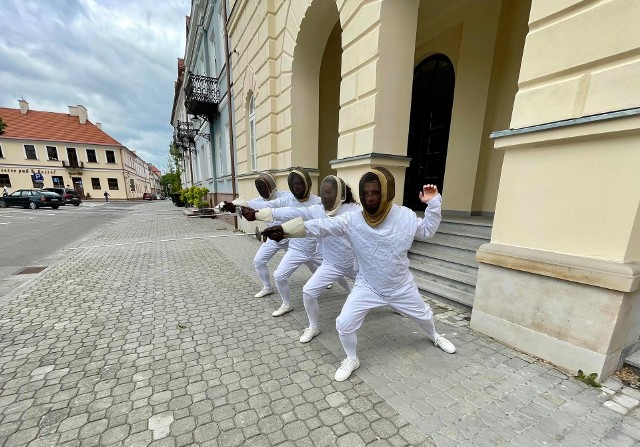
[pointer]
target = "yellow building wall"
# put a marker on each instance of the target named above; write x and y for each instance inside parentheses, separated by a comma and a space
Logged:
(20, 169)
(580, 59)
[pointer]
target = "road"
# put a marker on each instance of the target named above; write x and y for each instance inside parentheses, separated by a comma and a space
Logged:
(31, 238)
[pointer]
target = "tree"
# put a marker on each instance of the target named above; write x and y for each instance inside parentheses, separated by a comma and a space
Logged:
(172, 179)
(3, 126)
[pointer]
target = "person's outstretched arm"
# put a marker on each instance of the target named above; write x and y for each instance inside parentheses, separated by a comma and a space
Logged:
(428, 225)
(297, 228)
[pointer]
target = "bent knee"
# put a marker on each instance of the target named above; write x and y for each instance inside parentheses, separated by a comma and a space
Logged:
(345, 325)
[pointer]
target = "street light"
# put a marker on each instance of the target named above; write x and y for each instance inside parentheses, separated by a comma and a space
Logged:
(185, 138)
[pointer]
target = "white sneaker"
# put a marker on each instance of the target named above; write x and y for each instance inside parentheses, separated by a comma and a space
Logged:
(346, 368)
(264, 292)
(308, 334)
(283, 309)
(444, 344)
(329, 286)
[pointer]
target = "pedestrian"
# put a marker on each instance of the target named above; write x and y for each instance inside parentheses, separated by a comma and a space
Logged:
(5, 191)
(380, 237)
(338, 262)
(106, 196)
(266, 186)
(300, 251)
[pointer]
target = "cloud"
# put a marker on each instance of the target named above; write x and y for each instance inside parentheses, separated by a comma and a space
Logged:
(116, 57)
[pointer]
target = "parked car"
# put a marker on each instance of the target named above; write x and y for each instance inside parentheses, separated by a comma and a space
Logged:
(147, 196)
(69, 196)
(31, 198)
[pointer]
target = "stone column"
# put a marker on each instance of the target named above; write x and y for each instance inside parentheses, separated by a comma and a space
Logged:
(561, 276)
(378, 44)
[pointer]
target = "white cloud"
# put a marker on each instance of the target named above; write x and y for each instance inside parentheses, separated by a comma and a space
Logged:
(116, 57)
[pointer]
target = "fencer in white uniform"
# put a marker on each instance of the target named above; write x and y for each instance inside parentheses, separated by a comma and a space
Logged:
(338, 262)
(266, 186)
(300, 251)
(380, 237)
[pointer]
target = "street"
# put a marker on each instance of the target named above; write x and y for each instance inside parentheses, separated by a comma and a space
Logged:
(144, 332)
(33, 237)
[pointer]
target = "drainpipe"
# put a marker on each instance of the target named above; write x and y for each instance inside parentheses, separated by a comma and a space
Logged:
(124, 178)
(231, 144)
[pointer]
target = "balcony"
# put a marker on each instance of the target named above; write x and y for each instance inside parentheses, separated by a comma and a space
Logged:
(73, 164)
(202, 96)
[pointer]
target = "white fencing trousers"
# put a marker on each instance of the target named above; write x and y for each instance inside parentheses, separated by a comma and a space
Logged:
(264, 254)
(291, 260)
(327, 274)
(363, 298)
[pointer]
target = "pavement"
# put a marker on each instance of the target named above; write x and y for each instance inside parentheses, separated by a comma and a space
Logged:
(147, 334)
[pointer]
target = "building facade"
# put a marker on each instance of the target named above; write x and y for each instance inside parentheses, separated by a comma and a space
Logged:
(67, 150)
(524, 111)
(202, 106)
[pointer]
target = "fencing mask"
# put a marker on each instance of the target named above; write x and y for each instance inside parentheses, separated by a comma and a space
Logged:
(266, 186)
(377, 190)
(299, 183)
(333, 193)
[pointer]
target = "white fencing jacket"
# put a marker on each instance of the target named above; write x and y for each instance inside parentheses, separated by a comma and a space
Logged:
(335, 250)
(306, 245)
(381, 252)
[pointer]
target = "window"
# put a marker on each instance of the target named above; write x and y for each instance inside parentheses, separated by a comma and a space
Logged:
(219, 158)
(113, 184)
(52, 153)
(36, 183)
(91, 156)
(132, 185)
(252, 133)
(58, 181)
(1, 154)
(30, 152)
(95, 183)
(5, 181)
(111, 158)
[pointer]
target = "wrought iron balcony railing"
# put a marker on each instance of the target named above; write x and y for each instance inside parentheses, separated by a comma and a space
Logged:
(74, 164)
(202, 96)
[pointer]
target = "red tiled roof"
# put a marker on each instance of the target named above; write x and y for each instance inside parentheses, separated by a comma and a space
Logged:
(156, 170)
(52, 126)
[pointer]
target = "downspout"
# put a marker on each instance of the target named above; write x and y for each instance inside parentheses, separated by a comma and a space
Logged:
(231, 143)
(124, 178)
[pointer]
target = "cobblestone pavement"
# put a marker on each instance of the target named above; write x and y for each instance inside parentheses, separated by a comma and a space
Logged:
(148, 334)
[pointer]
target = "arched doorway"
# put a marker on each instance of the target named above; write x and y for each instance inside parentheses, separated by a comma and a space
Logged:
(431, 104)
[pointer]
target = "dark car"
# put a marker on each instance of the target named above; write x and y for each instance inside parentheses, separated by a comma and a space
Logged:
(69, 196)
(31, 198)
(147, 196)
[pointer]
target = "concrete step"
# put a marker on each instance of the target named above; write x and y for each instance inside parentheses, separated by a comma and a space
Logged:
(464, 229)
(451, 263)
(446, 253)
(447, 281)
(633, 362)
(458, 241)
(445, 275)
(437, 290)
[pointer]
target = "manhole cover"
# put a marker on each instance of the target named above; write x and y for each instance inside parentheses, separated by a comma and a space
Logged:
(30, 270)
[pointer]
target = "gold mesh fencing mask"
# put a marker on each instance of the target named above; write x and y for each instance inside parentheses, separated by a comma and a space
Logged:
(266, 186)
(375, 216)
(299, 183)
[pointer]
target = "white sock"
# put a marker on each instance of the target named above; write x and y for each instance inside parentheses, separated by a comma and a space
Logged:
(283, 289)
(313, 309)
(263, 274)
(429, 328)
(349, 344)
(345, 284)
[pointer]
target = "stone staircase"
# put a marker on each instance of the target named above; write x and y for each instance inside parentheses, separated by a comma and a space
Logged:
(445, 266)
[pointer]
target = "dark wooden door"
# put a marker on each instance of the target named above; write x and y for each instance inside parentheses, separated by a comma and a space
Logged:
(431, 104)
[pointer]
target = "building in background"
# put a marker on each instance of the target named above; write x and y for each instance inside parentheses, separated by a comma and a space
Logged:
(49, 149)
(202, 107)
(526, 114)
(156, 175)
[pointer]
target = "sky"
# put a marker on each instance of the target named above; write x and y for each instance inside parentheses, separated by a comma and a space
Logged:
(118, 58)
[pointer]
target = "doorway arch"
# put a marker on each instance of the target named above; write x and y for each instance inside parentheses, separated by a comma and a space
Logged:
(429, 122)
